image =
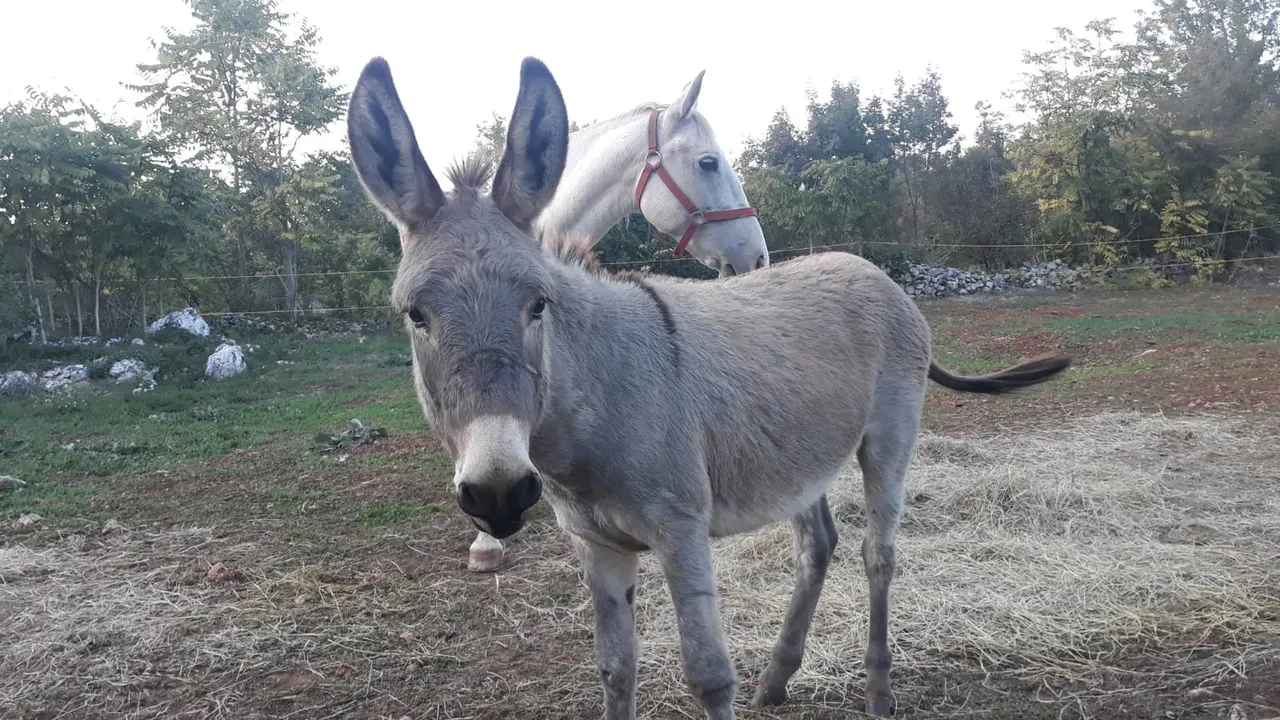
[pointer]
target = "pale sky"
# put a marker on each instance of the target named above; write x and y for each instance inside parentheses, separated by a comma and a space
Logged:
(457, 62)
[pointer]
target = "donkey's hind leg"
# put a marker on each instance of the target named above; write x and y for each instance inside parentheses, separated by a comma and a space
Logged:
(815, 540)
(884, 456)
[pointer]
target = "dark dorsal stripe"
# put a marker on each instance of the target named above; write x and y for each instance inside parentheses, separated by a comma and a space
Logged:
(668, 320)
(568, 251)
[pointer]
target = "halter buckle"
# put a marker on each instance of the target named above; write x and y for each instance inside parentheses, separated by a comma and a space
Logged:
(653, 159)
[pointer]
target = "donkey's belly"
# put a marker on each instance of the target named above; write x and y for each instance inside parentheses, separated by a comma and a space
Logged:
(730, 517)
(770, 459)
(775, 490)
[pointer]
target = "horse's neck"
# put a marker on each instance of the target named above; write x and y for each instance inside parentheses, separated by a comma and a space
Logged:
(598, 185)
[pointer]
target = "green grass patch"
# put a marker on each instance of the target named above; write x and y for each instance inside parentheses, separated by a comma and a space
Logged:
(1237, 326)
(393, 513)
(293, 388)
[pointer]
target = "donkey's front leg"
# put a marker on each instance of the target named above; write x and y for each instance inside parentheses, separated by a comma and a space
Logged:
(685, 555)
(486, 553)
(611, 575)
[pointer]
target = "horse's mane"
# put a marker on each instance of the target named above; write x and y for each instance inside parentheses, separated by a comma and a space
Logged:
(573, 250)
(609, 123)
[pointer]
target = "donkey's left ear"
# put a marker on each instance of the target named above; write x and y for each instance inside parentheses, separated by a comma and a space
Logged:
(537, 144)
(688, 100)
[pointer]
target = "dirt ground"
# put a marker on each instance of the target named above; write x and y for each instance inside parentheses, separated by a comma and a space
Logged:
(1104, 547)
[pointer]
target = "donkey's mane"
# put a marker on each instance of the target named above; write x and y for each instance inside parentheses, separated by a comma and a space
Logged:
(471, 172)
(575, 251)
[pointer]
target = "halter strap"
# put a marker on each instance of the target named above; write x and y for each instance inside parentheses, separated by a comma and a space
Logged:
(697, 217)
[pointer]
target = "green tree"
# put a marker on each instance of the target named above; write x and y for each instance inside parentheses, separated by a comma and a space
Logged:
(239, 93)
(919, 120)
(91, 207)
(974, 203)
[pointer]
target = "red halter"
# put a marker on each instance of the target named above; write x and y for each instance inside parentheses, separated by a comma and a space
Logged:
(652, 164)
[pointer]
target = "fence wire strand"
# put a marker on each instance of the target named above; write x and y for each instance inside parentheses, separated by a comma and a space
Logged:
(796, 250)
(1158, 266)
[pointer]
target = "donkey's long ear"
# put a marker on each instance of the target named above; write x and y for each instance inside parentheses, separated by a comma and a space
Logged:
(386, 153)
(537, 142)
(688, 99)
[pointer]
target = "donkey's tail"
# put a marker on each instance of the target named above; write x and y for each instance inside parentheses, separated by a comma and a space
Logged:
(1031, 372)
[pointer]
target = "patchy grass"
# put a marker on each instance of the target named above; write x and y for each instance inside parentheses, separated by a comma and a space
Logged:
(295, 388)
(1166, 351)
(393, 513)
(1102, 547)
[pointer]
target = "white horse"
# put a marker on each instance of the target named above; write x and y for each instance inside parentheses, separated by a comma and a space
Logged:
(662, 161)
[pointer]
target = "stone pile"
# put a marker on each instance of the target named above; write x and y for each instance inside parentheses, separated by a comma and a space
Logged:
(227, 361)
(925, 280)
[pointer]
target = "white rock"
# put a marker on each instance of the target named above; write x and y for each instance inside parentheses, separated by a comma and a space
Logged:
(225, 362)
(9, 483)
(185, 319)
(64, 377)
(127, 370)
(18, 380)
(138, 342)
(148, 381)
(29, 520)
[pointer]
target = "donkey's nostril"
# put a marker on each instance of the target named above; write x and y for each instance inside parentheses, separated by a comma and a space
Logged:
(526, 492)
(760, 262)
(469, 501)
(728, 270)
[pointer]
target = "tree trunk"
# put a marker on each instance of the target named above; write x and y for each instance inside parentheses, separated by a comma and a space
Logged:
(75, 293)
(242, 264)
(97, 298)
(912, 200)
(48, 296)
(289, 275)
(31, 290)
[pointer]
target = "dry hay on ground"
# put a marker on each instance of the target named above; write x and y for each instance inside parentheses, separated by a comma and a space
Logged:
(1119, 554)
(1061, 554)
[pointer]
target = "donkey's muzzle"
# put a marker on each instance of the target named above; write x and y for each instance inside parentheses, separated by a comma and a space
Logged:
(501, 508)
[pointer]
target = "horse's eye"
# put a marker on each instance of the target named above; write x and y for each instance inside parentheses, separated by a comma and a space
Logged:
(538, 308)
(415, 317)
(708, 163)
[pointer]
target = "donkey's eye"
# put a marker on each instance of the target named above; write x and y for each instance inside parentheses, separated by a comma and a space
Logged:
(708, 163)
(415, 317)
(538, 308)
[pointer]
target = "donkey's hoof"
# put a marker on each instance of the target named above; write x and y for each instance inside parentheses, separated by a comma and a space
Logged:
(486, 555)
(879, 705)
(769, 696)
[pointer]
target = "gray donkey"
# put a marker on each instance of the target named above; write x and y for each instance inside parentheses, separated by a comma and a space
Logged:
(655, 413)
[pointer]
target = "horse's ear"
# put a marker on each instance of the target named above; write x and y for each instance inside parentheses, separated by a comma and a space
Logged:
(386, 154)
(537, 144)
(688, 99)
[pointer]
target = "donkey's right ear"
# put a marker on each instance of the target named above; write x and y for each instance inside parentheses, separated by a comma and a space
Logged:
(386, 154)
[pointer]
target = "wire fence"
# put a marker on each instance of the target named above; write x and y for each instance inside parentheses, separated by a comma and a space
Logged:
(779, 253)
(1123, 268)
(791, 250)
